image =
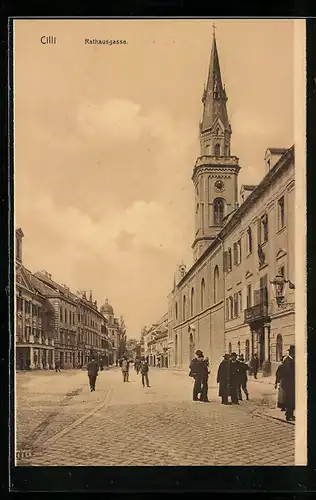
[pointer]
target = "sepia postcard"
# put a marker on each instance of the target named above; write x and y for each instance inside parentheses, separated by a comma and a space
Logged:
(159, 219)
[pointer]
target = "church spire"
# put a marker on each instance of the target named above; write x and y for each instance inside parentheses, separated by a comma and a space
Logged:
(214, 96)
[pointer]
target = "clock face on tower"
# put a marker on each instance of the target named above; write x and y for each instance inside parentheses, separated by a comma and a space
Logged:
(219, 185)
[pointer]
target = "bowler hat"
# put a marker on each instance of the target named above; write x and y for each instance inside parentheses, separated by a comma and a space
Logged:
(199, 353)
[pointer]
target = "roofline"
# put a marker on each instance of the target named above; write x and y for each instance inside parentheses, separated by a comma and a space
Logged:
(281, 164)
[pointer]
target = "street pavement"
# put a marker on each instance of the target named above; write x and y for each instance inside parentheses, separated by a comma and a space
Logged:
(59, 422)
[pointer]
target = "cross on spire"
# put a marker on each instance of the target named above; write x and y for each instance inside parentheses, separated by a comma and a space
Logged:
(214, 28)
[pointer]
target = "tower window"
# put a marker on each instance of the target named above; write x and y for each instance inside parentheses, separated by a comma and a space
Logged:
(217, 149)
(218, 208)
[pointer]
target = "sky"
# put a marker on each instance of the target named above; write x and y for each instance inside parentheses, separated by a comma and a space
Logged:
(106, 137)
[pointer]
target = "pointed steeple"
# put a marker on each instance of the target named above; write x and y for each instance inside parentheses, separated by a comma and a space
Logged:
(214, 96)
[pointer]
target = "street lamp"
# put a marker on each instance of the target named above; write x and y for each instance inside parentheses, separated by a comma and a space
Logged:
(279, 286)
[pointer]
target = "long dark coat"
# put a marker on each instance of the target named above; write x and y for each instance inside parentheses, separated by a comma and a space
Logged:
(243, 368)
(288, 382)
(223, 378)
(93, 369)
(199, 367)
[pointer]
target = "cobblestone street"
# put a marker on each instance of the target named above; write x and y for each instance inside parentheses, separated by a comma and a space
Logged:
(61, 423)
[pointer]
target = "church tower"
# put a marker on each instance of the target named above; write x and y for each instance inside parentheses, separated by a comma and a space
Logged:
(215, 173)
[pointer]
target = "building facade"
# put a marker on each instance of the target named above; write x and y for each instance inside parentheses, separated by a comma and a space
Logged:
(55, 325)
(113, 331)
(156, 343)
(64, 303)
(35, 317)
(93, 336)
(225, 300)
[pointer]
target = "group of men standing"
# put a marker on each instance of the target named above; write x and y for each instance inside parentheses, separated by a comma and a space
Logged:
(232, 379)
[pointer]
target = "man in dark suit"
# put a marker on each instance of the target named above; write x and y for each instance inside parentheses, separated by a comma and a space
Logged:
(199, 371)
(288, 383)
(242, 383)
(92, 373)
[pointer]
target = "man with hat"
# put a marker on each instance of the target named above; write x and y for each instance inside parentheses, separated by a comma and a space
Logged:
(288, 383)
(223, 379)
(199, 371)
(242, 383)
(234, 378)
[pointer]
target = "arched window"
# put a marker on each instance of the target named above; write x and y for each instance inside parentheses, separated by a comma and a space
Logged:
(184, 307)
(217, 131)
(279, 347)
(192, 302)
(176, 310)
(202, 294)
(191, 346)
(217, 150)
(247, 350)
(229, 348)
(215, 284)
(218, 208)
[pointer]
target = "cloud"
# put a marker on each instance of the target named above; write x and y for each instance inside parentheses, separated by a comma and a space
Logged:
(114, 120)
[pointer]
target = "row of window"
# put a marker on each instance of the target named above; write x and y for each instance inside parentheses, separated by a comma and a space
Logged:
(262, 238)
(278, 348)
(202, 297)
(28, 307)
(234, 305)
(67, 316)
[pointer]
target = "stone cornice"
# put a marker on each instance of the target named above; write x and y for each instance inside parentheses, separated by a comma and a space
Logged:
(216, 164)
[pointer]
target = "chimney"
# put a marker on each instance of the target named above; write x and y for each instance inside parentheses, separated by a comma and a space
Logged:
(18, 244)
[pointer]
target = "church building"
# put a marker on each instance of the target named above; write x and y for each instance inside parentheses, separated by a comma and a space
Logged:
(239, 293)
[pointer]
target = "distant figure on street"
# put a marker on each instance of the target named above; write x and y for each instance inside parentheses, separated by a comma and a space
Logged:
(254, 365)
(288, 383)
(234, 378)
(243, 378)
(92, 373)
(279, 385)
(125, 369)
(199, 371)
(223, 379)
(116, 362)
(28, 364)
(101, 365)
(137, 365)
(57, 366)
(144, 369)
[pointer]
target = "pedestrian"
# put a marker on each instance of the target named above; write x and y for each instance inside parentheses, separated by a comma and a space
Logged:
(254, 364)
(92, 373)
(279, 385)
(144, 369)
(234, 377)
(57, 366)
(137, 365)
(28, 364)
(223, 379)
(243, 378)
(288, 383)
(125, 368)
(199, 371)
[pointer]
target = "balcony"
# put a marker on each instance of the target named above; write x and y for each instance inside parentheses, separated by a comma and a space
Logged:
(256, 313)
